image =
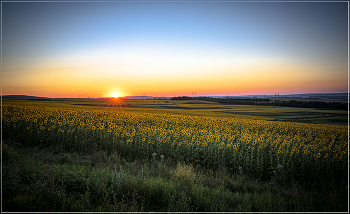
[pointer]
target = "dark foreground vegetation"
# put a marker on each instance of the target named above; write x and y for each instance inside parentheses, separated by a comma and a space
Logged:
(49, 179)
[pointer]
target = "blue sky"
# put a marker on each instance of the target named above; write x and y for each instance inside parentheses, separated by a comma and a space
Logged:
(178, 47)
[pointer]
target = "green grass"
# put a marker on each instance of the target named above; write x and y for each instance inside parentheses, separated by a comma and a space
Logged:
(46, 180)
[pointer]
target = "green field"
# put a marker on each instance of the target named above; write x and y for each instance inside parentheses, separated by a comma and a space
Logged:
(203, 108)
(84, 155)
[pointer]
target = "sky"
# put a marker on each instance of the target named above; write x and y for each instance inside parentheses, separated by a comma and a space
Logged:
(88, 49)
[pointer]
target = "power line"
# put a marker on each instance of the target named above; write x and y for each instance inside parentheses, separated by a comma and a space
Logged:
(193, 94)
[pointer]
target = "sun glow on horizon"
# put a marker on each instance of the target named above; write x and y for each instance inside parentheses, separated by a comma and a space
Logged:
(116, 94)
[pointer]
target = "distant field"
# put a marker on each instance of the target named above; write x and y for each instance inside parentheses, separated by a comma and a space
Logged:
(202, 108)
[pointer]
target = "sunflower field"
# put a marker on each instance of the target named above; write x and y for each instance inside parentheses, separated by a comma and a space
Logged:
(305, 152)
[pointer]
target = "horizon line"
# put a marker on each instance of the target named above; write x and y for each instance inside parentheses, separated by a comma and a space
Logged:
(149, 96)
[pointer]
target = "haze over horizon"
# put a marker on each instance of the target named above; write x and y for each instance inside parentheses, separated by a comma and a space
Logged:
(67, 49)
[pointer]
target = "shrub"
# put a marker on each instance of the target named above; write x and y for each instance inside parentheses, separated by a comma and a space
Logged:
(184, 175)
(8, 152)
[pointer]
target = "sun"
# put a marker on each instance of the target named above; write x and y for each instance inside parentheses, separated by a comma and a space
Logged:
(116, 99)
(116, 94)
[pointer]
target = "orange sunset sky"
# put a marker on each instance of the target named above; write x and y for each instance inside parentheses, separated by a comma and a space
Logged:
(65, 49)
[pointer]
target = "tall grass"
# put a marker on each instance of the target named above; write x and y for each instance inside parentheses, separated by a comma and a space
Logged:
(29, 184)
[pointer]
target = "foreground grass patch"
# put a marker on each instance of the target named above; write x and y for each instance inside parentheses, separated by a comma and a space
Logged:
(29, 184)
